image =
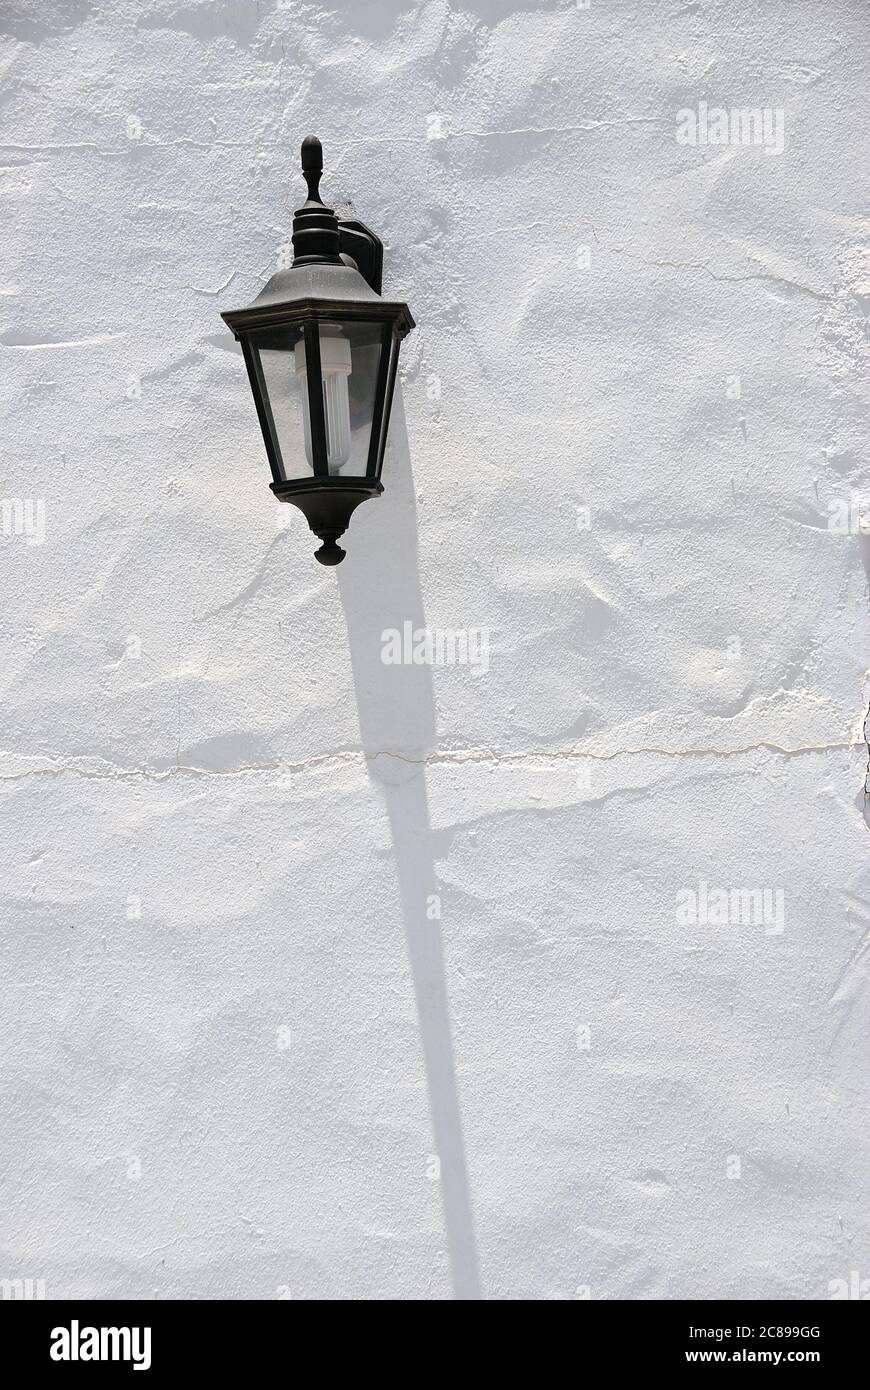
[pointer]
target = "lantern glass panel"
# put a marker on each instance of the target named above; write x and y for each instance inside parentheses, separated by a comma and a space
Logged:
(383, 424)
(282, 389)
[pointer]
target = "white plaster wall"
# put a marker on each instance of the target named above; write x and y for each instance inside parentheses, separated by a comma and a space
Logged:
(233, 1042)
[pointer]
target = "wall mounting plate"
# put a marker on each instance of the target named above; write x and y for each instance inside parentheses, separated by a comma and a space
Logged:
(365, 249)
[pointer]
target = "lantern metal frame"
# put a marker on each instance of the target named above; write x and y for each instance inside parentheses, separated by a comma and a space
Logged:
(335, 278)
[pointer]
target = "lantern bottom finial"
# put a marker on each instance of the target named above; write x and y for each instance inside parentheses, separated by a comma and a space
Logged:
(330, 553)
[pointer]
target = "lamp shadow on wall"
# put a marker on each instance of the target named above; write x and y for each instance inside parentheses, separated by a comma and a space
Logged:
(864, 796)
(379, 585)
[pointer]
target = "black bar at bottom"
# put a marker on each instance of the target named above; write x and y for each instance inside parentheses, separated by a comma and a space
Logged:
(222, 1338)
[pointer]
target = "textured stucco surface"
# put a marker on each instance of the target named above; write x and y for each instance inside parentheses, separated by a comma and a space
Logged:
(234, 1040)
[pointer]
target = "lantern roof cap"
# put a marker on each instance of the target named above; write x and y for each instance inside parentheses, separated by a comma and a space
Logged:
(333, 291)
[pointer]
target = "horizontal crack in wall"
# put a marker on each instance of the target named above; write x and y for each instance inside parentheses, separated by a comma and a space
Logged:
(446, 757)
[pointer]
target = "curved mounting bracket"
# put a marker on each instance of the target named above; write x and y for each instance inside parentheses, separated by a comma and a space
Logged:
(359, 243)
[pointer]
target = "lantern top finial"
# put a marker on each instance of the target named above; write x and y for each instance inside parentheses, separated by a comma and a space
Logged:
(312, 166)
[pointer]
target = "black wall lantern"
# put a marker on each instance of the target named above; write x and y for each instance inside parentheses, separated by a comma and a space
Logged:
(321, 348)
